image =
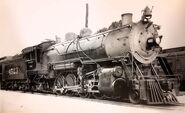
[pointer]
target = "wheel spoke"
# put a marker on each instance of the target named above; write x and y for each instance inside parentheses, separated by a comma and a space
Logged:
(58, 85)
(70, 80)
(98, 96)
(134, 97)
(83, 94)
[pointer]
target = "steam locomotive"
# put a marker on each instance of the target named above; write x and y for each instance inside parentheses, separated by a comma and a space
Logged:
(116, 63)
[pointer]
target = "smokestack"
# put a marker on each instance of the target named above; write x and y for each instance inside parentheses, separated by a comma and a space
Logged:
(126, 18)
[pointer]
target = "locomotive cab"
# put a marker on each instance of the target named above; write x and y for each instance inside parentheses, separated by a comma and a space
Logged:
(32, 57)
(35, 57)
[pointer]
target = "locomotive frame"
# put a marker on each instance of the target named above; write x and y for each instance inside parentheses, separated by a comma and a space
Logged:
(116, 64)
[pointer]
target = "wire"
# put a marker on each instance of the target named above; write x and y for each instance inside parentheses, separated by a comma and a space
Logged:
(78, 45)
(70, 45)
(77, 48)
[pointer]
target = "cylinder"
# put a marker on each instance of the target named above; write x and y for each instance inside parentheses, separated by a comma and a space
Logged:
(126, 18)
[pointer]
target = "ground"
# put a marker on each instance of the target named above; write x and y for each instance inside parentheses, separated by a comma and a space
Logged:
(18, 102)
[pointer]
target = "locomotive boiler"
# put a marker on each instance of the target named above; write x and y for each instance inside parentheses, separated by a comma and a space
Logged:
(116, 63)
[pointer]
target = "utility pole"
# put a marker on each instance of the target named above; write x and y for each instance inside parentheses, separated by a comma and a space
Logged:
(86, 16)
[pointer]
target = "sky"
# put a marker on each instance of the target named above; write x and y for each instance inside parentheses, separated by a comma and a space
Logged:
(26, 23)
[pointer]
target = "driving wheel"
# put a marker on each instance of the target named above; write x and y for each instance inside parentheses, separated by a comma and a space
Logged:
(58, 85)
(134, 97)
(70, 80)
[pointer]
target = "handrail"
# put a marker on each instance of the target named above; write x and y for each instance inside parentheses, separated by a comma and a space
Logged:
(154, 71)
(139, 70)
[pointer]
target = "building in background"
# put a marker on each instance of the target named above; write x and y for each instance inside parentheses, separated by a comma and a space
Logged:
(176, 60)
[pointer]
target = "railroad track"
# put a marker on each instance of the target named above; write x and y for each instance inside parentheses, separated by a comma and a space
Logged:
(116, 102)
